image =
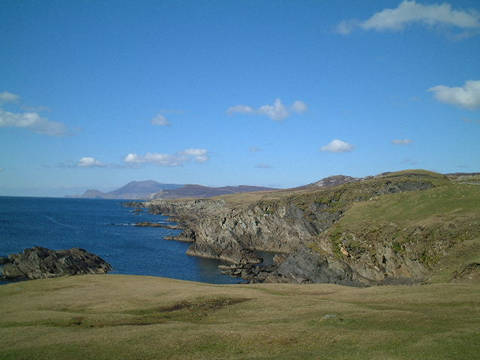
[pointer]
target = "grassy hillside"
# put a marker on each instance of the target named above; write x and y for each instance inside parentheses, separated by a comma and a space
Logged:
(347, 193)
(128, 317)
(440, 227)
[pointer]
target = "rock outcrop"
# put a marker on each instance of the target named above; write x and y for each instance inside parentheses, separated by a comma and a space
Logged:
(39, 263)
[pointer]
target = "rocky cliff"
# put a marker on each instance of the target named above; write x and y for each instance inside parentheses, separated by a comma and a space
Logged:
(304, 225)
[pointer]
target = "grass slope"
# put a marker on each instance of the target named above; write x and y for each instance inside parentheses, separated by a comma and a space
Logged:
(439, 226)
(128, 317)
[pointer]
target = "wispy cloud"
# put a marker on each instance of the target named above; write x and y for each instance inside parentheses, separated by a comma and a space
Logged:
(160, 120)
(277, 111)
(177, 159)
(89, 161)
(82, 163)
(254, 149)
(337, 146)
(32, 121)
(241, 109)
(409, 12)
(37, 109)
(345, 27)
(299, 107)
(402, 141)
(8, 97)
(467, 96)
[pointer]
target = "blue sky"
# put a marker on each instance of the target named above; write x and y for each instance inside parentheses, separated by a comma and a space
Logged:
(94, 94)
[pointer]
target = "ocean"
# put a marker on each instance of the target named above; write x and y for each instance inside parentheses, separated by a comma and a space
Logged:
(105, 228)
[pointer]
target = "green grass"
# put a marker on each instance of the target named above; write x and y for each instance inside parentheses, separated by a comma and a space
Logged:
(439, 226)
(128, 317)
(403, 208)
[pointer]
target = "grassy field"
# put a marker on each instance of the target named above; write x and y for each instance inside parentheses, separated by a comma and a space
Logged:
(129, 317)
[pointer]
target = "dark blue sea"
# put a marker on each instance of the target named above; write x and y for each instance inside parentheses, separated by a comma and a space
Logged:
(105, 228)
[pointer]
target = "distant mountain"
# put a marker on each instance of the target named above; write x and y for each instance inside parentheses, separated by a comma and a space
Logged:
(93, 194)
(149, 189)
(134, 190)
(142, 188)
(200, 191)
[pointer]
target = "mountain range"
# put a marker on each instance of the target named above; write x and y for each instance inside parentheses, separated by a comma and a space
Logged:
(150, 189)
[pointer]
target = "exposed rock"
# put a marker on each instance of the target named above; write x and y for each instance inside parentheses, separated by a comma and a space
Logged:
(305, 266)
(39, 263)
(164, 226)
(249, 272)
(468, 272)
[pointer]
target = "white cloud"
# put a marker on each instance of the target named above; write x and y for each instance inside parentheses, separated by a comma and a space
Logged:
(242, 109)
(345, 27)
(299, 107)
(177, 159)
(337, 146)
(8, 97)
(402, 141)
(467, 96)
(132, 158)
(32, 121)
(412, 12)
(160, 120)
(277, 111)
(89, 161)
(199, 155)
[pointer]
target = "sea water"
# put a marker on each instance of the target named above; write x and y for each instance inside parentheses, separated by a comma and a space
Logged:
(105, 228)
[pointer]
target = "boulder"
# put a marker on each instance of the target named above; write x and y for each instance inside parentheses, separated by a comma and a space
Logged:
(40, 263)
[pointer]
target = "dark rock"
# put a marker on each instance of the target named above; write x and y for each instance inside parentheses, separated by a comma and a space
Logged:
(4, 260)
(160, 225)
(306, 266)
(40, 263)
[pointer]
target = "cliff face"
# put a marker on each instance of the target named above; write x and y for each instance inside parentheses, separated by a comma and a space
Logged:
(304, 225)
